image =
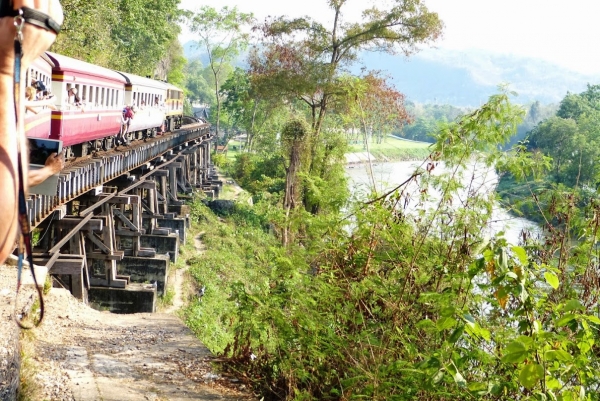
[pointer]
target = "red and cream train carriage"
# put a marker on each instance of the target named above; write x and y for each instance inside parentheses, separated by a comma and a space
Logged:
(148, 98)
(94, 123)
(37, 121)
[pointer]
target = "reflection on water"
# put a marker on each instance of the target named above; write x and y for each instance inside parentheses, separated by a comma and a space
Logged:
(390, 175)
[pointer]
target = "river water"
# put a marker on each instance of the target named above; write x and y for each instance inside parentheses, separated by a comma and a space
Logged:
(389, 175)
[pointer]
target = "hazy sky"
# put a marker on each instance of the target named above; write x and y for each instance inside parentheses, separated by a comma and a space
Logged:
(565, 33)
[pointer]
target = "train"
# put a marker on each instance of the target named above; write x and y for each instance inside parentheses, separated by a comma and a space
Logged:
(93, 123)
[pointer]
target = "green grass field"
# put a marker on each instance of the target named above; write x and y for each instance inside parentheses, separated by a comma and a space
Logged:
(390, 143)
(392, 148)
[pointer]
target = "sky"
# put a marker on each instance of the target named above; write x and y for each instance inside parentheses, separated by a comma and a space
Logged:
(564, 33)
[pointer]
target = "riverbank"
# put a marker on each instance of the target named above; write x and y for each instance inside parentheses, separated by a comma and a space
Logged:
(391, 150)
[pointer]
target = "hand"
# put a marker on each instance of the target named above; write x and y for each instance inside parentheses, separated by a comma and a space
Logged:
(36, 40)
(55, 162)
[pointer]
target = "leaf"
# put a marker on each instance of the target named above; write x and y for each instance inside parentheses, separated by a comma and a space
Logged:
(558, 355)
(515, 352)
(593, 319)
(530, 375)
(502, 296)
(469, 318)
(572, 305)
(479, 388)
(512, 275)
(445, 323)
(551, 279)
(563, 321)
(521, 254)
(456, 334)
(460, 380)
(438, 376)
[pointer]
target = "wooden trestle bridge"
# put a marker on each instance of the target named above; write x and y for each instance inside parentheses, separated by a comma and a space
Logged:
(118, 218)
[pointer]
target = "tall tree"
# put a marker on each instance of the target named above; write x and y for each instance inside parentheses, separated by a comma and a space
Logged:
(249, 111)
(221, 34)
(303, 59)
(128, 35)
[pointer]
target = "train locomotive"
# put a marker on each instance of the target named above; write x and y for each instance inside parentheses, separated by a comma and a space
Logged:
(93, 122)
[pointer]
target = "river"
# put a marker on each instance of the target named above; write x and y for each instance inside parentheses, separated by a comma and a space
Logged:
(389, 175)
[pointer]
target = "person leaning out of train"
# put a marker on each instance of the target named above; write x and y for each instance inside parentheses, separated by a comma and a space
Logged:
(126, 118)
(72, 97)
(33, 104)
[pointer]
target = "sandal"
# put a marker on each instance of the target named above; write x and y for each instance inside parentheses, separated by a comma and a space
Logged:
(31, 16)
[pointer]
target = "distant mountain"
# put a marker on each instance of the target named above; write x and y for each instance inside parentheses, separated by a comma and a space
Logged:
(469, 78)
(191, 51)
(465, 79)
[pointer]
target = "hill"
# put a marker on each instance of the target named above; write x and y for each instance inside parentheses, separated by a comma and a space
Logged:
(464, 79)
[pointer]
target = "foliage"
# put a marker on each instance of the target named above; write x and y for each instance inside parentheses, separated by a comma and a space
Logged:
(425, 119)
(571, 138)
(402, 303)
(258, 174)
(248, 110)
(221, 34)
(300, 62)
(126, 35)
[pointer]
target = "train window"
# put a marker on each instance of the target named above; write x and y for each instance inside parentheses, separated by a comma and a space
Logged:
(92, 100)
(102, 97)
(84, 94)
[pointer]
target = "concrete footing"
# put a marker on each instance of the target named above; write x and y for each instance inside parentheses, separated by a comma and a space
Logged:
(163, 244)
(146, 270)
(135, 298)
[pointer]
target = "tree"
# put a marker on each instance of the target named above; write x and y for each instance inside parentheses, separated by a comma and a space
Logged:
(221, 34)
(302, 59)
(245, 106)
(145, 30)
(198, 88)
(292, 137)
(172, 66)
(127, 35)
(86, 33)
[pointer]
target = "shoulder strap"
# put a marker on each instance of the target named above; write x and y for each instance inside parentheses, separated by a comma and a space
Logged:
(30, 16)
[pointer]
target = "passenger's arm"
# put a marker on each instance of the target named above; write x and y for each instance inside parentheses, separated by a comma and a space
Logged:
(54, 163)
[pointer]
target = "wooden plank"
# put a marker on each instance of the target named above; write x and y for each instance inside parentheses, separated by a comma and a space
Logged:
(147, 185)
(117, 255)
(146, 253)
(67, 266)
(124, 219)
(127, 233)
(90, 209)
(71, 233)
(98, 242)
(161, 173)
(68, 222)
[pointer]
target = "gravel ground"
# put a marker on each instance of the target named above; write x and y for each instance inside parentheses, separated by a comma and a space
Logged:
(82, 354)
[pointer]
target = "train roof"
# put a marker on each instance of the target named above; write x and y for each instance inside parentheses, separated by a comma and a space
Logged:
(133, 79)
(171, 86)
(78, 67)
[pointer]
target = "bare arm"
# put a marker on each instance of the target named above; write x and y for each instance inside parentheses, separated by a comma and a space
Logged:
(35, 42)
(54, 163)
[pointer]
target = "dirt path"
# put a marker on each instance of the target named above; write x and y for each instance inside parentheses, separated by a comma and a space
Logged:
(180, 280)
(85, 355)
